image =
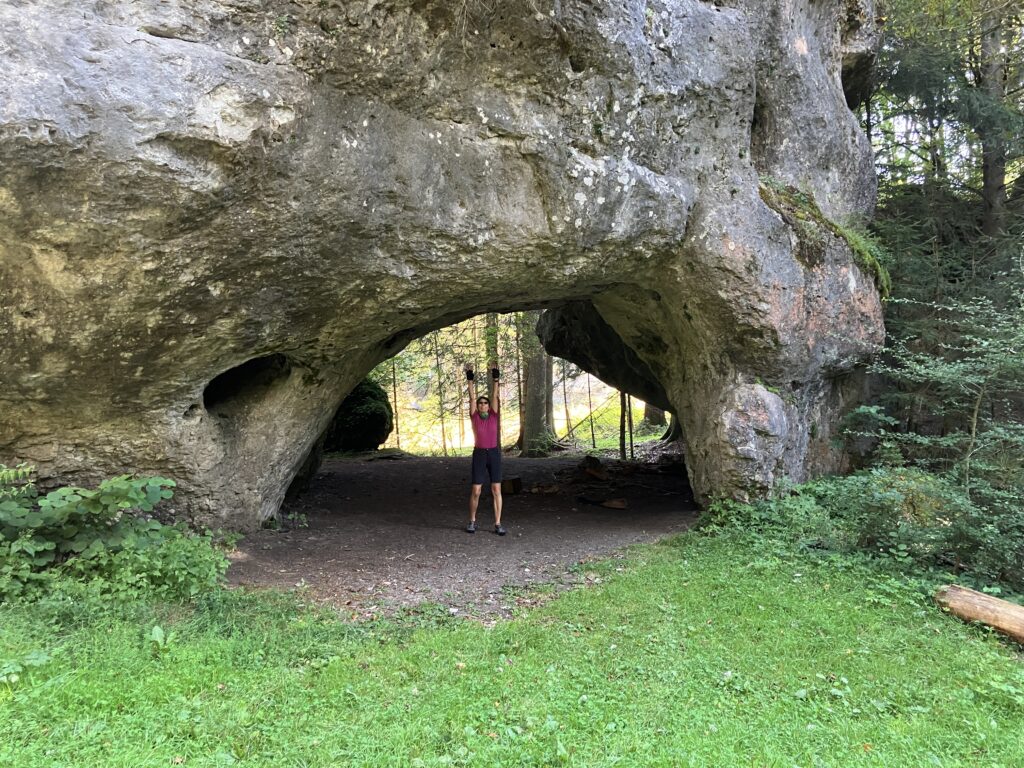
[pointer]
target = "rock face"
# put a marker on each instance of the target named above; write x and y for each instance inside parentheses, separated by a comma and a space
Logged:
(217, 215)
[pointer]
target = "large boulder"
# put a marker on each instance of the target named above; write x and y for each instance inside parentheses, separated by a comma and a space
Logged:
(363, 421)
(217, 215)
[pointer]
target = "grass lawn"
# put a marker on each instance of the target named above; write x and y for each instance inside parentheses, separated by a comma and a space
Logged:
(695, 652)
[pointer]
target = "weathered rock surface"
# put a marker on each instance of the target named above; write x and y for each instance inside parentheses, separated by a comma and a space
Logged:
(277, 195)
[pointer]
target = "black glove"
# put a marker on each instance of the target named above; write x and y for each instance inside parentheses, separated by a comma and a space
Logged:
(469, 375)
(495, 374)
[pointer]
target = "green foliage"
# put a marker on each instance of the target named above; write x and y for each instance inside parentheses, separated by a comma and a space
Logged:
(956, 392)
(946, 433)
(947, 437)
(16, 482)
(13, 670)
(935, 103)
(100, 537)
(922, 522)
(870, 256)
(282, 25)
(159, 642)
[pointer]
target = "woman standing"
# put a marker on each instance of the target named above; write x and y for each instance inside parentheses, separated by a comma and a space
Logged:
(483, 415)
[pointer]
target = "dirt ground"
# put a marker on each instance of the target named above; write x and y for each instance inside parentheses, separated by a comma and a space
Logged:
(379, 532)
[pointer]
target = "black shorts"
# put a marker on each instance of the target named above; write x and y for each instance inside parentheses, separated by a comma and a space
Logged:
(486, 464)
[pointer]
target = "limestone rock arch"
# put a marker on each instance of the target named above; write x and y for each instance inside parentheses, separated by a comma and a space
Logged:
(217, 215)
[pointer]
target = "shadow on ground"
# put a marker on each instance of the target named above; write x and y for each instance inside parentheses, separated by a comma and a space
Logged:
(384, 531)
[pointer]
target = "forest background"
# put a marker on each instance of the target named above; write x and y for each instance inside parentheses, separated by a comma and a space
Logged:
(548, 403)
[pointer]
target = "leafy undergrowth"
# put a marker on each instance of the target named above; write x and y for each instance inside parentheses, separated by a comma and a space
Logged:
(720, 651)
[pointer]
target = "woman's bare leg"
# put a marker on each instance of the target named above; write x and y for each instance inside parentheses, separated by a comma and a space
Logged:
(496, 492)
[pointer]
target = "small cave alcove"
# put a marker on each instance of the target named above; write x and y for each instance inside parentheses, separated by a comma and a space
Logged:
(242, 385)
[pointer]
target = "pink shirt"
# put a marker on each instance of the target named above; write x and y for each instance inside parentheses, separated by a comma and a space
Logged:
(485, 431)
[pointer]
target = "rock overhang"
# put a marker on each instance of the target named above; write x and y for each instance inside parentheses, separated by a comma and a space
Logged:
(194, 185)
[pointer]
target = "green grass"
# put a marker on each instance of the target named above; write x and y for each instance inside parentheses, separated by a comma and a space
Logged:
(698, 651)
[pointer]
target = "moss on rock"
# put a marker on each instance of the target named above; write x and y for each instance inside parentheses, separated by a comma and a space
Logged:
(801, 212)
(363, 421)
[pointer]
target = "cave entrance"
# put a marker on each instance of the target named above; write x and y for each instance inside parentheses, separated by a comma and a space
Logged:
(380, 529)
(417, 401)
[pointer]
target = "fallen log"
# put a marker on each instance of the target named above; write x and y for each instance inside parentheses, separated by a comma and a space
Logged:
(1001, 615)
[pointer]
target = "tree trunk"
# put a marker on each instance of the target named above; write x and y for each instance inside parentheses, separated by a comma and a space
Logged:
(867, 119)
(549, 402)
(462, 425)
(622, 426)
(629, 422)
(936, 145)
(394, 389)
(674, 431)
(993, 140)
(535, 434)
(440, 391)
(519, 322)
(491, 348)
(590, 406)
(565, 398)
(491, 342)
(969, 605)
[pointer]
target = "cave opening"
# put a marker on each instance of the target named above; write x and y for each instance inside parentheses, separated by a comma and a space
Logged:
(383, 523)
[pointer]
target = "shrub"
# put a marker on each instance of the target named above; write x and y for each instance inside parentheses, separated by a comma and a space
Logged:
(796, 515)
(947, 438)
(923, 521)
(930, 521)
(101, 536)
(902, 512)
